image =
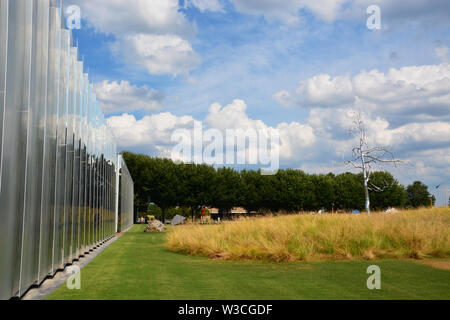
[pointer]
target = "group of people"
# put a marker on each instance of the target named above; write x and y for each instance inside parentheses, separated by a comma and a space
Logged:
(141, 220)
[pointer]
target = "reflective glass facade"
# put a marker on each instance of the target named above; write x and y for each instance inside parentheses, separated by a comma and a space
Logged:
(126, 197)
(59, 168)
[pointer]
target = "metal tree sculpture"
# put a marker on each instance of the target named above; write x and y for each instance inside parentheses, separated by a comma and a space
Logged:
(365, 157)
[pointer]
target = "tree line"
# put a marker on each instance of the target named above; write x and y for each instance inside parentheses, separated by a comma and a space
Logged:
(192, 186)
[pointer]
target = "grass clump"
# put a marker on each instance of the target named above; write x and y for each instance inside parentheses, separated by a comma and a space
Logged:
(414, 234)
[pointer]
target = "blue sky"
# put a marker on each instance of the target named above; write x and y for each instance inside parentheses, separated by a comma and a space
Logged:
(298, 66)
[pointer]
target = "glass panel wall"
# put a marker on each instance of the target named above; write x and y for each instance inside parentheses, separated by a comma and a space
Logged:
(33, 218)
(3, 61)
(60, 151)
(58, 160)
(50, 222)
(126, 198)
(14, 142)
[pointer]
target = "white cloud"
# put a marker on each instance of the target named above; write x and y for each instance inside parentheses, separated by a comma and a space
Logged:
(334, 126)
(121, 96)
(326, 131)
(120, 17)
(415, 93)
(232, 116)
(150, 34)
(322, 144)
(406, 110)
(319, 91)
(322, 90)
(296, 140)
(417, 136)
(294, 137)
(153, 131)
(284, 98)
(424, 146)
(158, 54)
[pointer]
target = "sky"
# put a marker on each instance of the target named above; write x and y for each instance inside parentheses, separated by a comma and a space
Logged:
(304, 68)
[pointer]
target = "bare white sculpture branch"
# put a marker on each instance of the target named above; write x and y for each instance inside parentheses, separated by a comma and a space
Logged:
(364, 158)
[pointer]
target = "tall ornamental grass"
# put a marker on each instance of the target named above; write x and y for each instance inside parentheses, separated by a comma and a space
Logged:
(415, 234)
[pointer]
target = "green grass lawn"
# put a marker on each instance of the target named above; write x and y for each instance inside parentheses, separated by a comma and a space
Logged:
(138, 266)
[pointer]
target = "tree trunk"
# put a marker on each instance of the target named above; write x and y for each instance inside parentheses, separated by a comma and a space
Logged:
(366, 187)
(366, 191)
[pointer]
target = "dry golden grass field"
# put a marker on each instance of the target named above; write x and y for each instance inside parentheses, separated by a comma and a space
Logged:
(416, 234)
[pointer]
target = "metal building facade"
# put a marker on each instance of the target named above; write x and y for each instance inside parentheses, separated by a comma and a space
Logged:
(58, 159)
(125, 200)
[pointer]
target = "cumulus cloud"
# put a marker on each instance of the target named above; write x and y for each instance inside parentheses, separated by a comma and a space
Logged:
(319, 91)
(121, 96)
(416, 136)
(415, 93)
(406, 110)
(336, 125)
(326, 131)
(322, 90)
(158, 54)
(284, 98)
(424, 146)
(152, 131)
(155, 131)
(232, 116)
(294, 137)
(120, 17)
(150, 34)
(321, 144)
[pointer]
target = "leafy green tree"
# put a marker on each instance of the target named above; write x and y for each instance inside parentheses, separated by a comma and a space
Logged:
(195, 186)
(154, 210)
(226, 193)
(349, 191)
(252, 185)
(162, 184)
(287, 189)
(155, 180)
(270, 193)
(136, 164)
(418, 195)
(324, 191)
(188, 187)
(392, 195)
(295, 190)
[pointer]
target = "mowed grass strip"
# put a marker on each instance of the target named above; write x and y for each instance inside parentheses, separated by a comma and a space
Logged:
(410, 234)
(138, 266)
